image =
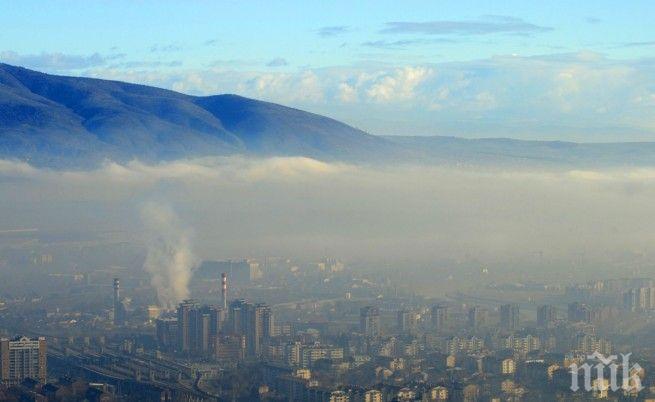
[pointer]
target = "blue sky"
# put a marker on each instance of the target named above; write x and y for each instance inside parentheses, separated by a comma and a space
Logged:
(570, 70)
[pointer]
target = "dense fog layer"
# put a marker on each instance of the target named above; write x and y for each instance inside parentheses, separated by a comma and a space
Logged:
(234, 207)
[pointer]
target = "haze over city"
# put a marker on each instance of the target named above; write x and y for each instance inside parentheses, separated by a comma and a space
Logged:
(304, 201)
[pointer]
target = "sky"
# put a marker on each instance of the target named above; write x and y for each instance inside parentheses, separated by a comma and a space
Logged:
(557, 70)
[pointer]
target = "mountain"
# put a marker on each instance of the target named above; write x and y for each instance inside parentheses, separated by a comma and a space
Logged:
(58, 121)
(511, 152)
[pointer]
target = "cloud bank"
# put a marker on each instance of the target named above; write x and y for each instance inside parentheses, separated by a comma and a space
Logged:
(305, 208)
(581, 96)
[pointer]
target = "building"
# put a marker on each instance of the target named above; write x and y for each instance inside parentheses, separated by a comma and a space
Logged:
(166, 331)
(236, 314)
(546, 315)
(369, 321)
(521, 344)
(440, 316)
(508, 366)
(311, 354)
(204, 336)
(509, 316)
(438, 394)
(331, 265)
(258, 326)
(292, 353)
(185, 324)
(407, 321)
(338, 396)
(372, 395)
(406, 394)
(639, 299)
(477, 317)
(455, 345)
(578, 312)
(254, 321)
(198, 327)
(451, 361)
(230, 347)
(589, 344)
(22, 358)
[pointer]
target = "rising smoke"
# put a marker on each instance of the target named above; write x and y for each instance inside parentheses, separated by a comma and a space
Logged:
(169, 260)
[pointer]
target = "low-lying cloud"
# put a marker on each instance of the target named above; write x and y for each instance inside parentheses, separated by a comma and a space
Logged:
(303, 207)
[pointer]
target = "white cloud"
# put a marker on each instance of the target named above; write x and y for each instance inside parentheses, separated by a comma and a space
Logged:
(398, 85)
(580, 96)
(347, 93)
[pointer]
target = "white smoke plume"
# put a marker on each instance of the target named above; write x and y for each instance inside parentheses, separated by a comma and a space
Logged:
(169, 260)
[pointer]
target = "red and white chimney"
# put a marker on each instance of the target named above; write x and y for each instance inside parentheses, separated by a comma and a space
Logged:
(224, 289)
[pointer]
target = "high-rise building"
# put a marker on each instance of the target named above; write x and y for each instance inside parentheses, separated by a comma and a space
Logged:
(369, 321)
(22, 358)
(236, 316)
(186, 325)
(407, 321)
(639, 299)
(477, 317)
(254, 322)
(509, 316)
(258, 326)
(198, 327)
(546, 315)
(292, 353)
(440, 315)
(579, 312)
(167, 333)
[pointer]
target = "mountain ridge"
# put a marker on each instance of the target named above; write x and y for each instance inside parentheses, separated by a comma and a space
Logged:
(63, 121)
(53, 119)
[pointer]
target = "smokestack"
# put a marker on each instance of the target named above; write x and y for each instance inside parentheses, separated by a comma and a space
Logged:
(117, 291)
(224, 289)
(119, 314)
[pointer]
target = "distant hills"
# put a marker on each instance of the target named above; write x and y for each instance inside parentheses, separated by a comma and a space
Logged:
(74, 122)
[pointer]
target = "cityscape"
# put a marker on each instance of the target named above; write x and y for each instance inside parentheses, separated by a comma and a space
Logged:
(327, 201)
(340, 335)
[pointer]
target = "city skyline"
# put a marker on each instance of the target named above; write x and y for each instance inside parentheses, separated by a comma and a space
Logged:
(303, 201)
